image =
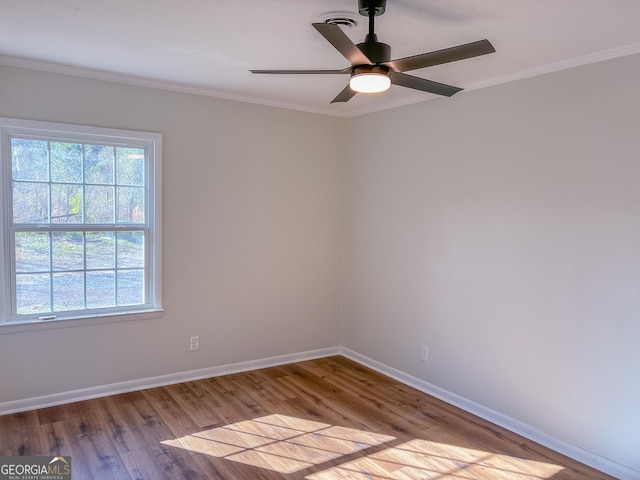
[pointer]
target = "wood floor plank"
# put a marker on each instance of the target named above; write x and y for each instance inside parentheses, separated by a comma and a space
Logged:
(239, 405)
(89, 435)
(178, 416)
(349, 407)
(159, 462)
(126, 435)
(53, 439)
(16, 428)
(324, 419)
(268, 392)
(61, 413)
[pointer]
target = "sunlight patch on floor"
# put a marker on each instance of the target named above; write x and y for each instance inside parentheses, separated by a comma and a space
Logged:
(279, 443)
(287, 445)
(425, 460)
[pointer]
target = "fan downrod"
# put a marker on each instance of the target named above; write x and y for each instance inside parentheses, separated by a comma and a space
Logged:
(377, 52)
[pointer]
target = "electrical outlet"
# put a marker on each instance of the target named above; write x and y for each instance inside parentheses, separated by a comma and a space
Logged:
(194, 343)
(424, 353)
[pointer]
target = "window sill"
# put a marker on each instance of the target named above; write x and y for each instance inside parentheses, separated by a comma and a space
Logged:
(37, 325)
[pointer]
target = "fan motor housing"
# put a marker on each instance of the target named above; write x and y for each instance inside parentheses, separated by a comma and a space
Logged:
(379, 69)
(376, 52)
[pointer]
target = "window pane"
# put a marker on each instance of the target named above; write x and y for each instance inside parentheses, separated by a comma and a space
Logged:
(66, 162)
(80, 219)
(29, 159)
(130, 249)
(99, 205)
(33, 293)
(30, 202)
(32, 252)
(101, 250)
(98, 164)
(130, 204)
(68, 291)
(130, 166)
(67, 251)
(101, 287)
(130, 287)
(66, 203)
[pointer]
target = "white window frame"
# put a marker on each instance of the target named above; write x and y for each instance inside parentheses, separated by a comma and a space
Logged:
(152, 143)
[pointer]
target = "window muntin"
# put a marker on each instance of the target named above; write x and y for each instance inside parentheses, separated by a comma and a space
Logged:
(81, 226)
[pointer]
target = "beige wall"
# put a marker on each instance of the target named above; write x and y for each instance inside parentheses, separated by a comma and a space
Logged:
(501, 228)
(252, 236)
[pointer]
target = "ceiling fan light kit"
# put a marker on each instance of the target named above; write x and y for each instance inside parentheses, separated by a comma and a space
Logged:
(373, 71)
(370, 79)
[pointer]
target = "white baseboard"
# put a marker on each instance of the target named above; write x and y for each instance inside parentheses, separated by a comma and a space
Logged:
(159, 381)
(591, 459)
(581, 455)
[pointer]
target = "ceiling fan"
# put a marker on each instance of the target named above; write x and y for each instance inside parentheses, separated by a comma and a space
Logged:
(372, 69)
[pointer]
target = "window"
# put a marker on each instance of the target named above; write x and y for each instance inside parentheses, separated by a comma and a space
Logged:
(81, 221)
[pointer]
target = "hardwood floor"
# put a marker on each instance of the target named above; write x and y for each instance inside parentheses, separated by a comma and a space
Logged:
(326, 419)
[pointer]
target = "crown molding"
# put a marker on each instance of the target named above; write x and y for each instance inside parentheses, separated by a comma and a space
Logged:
(95, 74)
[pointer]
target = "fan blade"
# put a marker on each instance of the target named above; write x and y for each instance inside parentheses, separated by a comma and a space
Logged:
(299, 72)
(345, 95)
(336, 37)
(423, 84)
(452, 54)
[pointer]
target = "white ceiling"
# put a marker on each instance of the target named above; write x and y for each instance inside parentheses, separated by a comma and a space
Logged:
(208, 46)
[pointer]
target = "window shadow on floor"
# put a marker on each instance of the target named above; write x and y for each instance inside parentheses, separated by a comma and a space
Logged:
(288, 445)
